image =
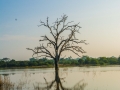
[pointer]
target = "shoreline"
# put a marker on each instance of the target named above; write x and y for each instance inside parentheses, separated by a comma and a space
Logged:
(61, 66)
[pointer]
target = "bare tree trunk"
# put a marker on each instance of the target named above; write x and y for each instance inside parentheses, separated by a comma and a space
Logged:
(56, 66)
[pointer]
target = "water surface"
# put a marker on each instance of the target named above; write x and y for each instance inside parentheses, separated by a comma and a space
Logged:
(87, 78)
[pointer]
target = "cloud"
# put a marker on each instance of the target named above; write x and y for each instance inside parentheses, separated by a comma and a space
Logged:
(17, 37)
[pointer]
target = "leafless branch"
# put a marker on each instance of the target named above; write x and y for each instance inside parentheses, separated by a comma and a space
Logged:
(59, 43)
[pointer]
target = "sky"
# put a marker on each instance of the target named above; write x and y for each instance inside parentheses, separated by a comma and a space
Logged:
(99, 19)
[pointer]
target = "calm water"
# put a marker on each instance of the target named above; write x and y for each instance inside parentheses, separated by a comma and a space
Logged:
(87, 78)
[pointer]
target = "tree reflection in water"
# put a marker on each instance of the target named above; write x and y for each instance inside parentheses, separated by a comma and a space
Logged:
(57, 84)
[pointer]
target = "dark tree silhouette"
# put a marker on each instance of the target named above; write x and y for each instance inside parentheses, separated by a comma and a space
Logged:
(59, 43)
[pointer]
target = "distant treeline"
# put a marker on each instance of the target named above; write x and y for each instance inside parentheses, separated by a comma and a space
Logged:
(85, 60)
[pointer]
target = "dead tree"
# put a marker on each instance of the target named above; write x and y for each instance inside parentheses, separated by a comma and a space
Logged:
(59, 43)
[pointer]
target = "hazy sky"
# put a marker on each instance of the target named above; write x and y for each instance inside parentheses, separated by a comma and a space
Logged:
(99, 19)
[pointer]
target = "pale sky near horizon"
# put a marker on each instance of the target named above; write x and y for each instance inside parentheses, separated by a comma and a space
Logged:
(99, 19)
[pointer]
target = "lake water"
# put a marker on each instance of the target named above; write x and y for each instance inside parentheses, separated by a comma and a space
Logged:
(86, 78)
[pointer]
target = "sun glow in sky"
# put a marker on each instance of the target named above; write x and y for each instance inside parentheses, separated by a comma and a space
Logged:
(99, 19)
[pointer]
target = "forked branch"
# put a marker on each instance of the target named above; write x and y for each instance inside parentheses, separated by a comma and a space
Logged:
(58, 43)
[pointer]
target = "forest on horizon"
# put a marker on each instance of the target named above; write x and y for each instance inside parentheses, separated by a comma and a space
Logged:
(83, 61)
